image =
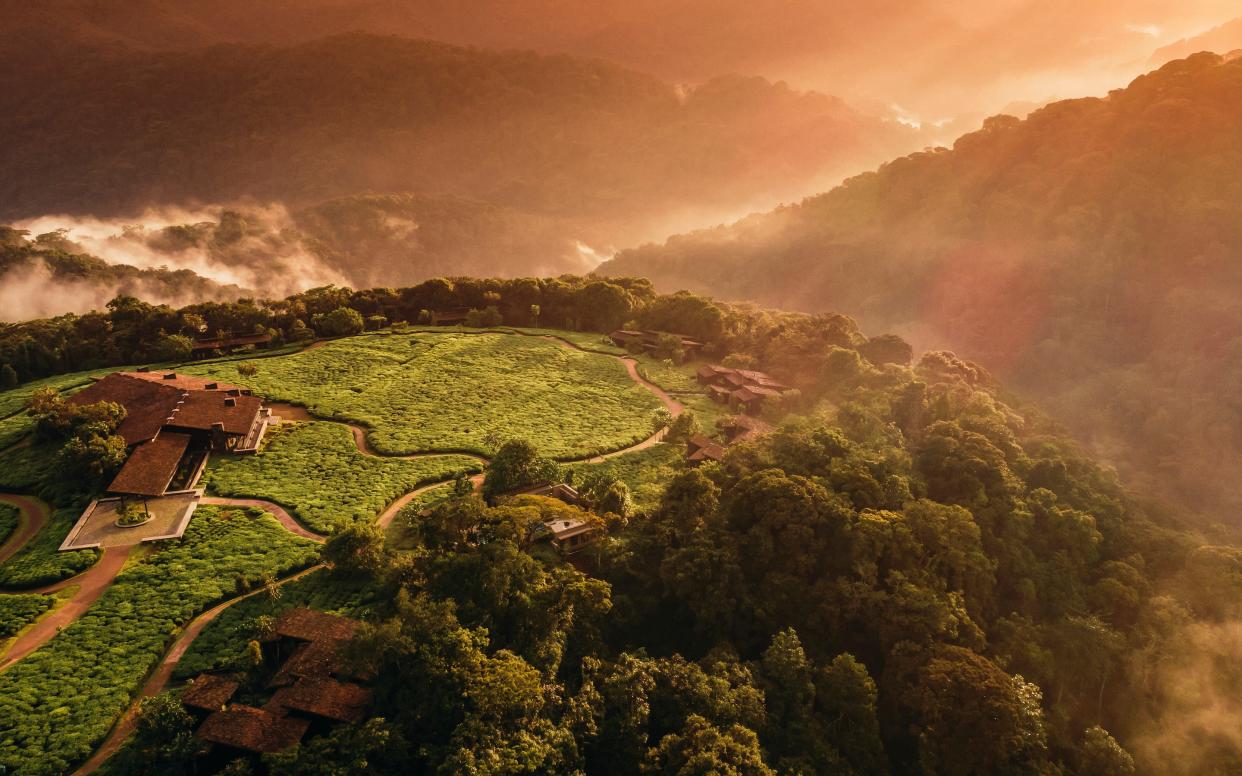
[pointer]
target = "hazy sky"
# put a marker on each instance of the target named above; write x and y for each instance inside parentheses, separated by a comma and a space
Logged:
(934, 59)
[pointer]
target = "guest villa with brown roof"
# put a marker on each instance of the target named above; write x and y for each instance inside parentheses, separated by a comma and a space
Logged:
(172, 421)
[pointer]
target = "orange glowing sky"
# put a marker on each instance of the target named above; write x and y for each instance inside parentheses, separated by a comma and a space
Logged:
(926, 60)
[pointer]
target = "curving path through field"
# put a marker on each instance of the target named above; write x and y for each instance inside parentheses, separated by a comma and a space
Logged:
(272, 508)
(91, 584)
(33, 514)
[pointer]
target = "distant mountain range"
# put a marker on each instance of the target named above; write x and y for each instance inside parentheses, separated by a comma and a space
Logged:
(1222, 39)
(575, 151)
(1089, 254)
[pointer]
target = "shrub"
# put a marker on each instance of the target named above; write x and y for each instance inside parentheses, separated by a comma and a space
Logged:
(341, 322)
(18, 611)
(483, 319)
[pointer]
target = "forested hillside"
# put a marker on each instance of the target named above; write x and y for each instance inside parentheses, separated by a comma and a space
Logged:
(617, 154)
(1087, 254)
(47, 276)
(910, 573)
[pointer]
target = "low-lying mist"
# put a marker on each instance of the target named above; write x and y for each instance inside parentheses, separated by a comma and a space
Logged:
(254, 247)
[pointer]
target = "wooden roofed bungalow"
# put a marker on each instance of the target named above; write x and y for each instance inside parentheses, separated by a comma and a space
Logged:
(151, 467)
(209, 692)
(648, 339)
(701, 449)
(729, 377)
(323, 698)
(739, 428)
(226, 342)
(750, 398)
(453, 317)
(247, 729)
(303, 624)
(569, 536)
(557, 490)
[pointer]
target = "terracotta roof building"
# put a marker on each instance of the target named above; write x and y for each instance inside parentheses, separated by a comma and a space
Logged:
(150, 469)
(252, 730)
(308, 692)
(700, 449)
(209, 692)
(324, 698)
(571, 535)
(556, 490)
(648, 339)
(171, 422)
(227, 343)
(148, 405)
(303, 624)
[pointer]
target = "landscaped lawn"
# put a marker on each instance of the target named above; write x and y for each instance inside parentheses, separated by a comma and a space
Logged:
(58, 703)
(315, 470)
(429, 391)
(18, 611)
(222, 644)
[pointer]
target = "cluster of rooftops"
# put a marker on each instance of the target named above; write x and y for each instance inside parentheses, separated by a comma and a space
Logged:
(743, 389)
(171, 421)
(314, 688)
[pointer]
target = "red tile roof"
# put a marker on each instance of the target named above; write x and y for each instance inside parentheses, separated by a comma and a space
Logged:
(202, 409)
(151, 466)
(209, 692)
(317, 659)
(305, 624)
(213, 343)
(323, 697)
(148, 405)
(751, 392)
(712, 452)
(255, 730)
(186, 382)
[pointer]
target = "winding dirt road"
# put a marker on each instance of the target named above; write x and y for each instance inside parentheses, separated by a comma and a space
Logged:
(33, 514)
(91, 584)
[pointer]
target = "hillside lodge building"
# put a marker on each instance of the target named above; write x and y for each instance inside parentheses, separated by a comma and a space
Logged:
(172, 423)
(647, 340)
(743, 389)
(315, 689)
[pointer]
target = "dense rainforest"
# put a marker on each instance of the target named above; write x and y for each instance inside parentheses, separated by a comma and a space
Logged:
(1086, 254)
(913, 574)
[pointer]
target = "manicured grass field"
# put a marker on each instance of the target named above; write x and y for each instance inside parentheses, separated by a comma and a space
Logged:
(645, 472)
(9, 521)
(59, 702)
(18, 611)
(315, 470)
(38, 563)
(222, 644)
(460, 391)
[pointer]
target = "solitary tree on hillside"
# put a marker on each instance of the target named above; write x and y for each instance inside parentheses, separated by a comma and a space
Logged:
(518, 464)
